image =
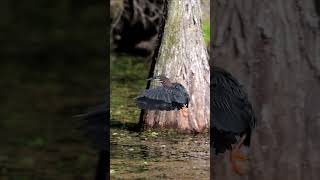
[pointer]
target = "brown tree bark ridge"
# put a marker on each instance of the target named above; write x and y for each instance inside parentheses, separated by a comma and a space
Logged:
(184, 59)
(273, 48)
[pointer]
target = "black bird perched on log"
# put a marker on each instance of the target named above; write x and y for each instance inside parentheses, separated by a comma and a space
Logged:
(232, 115)
(170, 96)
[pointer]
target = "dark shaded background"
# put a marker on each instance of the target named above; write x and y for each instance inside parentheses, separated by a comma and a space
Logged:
(54, 65)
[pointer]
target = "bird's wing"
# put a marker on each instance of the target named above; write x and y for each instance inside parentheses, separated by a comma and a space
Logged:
(231, 109)
(179, 94)
(152, 104)
(159, 98)
(159, 93)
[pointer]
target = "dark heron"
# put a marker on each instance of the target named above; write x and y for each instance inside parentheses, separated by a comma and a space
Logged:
(232, 116)
(170, 96)
(96, 128)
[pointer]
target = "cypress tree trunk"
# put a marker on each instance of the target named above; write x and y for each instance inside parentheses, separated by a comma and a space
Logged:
(273, 48)
(183, 58)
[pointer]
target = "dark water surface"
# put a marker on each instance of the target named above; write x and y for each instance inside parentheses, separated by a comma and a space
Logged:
(39, 138)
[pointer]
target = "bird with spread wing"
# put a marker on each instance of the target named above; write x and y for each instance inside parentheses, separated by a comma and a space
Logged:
(170, 96)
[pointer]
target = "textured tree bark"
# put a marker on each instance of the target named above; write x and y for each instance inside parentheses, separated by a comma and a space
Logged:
(273, 48)
(184, 59)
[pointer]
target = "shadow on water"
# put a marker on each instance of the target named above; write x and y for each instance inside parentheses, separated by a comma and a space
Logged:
(129, 126)
(149, 154)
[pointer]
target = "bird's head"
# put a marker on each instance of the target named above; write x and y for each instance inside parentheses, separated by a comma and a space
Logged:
(161, 78)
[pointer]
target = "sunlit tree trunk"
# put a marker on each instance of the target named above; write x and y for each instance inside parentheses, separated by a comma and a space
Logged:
(184, 59)
(273, 48)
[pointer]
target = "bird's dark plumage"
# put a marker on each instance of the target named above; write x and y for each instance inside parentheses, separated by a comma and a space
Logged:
(169, 96)
(232, 113)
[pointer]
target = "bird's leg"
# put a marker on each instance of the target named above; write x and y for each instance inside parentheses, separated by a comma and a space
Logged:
(185, 111)
(236, 149)
(235, 154)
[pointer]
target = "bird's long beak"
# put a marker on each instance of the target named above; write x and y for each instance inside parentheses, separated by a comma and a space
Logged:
(152, 78)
